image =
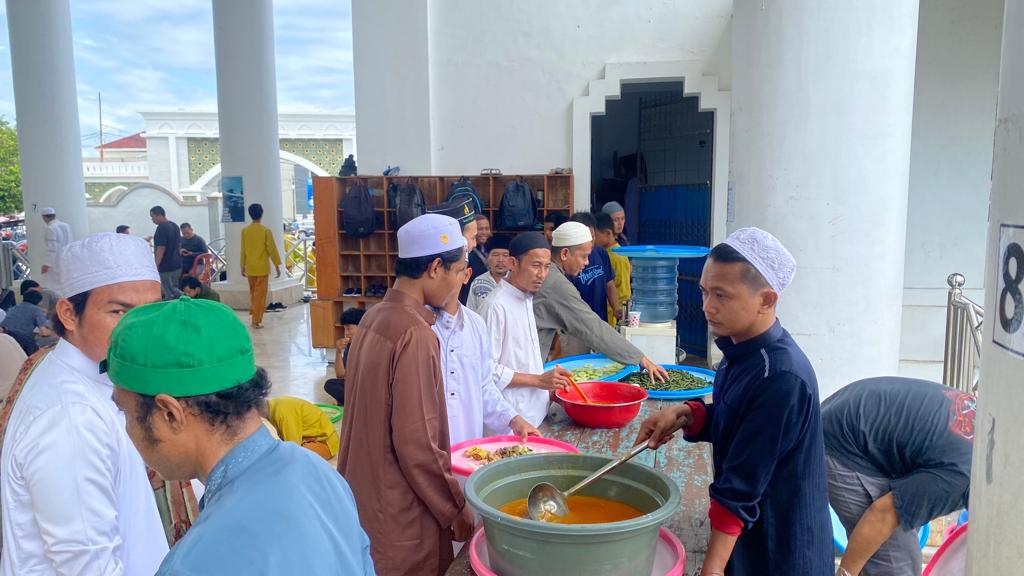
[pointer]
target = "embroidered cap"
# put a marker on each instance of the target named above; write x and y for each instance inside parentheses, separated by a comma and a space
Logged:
(766, 254)
(429, 235)
(462, 209)
(104, 259)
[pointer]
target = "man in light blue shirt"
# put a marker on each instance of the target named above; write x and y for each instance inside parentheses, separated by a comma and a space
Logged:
(270, 507)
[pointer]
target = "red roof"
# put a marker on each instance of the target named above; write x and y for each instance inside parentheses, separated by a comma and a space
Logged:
(135, 141)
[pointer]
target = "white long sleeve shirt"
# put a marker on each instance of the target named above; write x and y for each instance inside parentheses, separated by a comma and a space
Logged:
(58, 235)
(74, 491)
(476, 407)
(508, 312)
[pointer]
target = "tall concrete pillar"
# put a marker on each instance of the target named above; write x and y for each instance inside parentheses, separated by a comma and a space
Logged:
(46, 108)
(995, 539)
(243, 33)
(822, 101)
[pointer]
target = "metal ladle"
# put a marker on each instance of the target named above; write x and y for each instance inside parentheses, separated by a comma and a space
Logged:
(545, 500)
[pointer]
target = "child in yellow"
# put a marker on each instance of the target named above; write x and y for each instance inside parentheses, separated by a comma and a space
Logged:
(303, 423)
(605, 237)
(258, 250)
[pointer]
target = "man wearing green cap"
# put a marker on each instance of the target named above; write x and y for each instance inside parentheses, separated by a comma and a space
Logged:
(185, 376)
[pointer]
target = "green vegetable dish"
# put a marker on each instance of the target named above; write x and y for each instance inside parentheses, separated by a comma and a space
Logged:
(590, 373)
(677, 381)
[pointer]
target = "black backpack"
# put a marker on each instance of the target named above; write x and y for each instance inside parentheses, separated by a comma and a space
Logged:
(518, 207)
(461, 189)
(357, 216)
(410, 203)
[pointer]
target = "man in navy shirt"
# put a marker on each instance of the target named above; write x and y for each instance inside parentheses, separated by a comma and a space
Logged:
(769, 502)
(898, 453)
(596, 282)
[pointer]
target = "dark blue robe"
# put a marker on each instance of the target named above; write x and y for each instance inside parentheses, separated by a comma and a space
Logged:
(769, 457)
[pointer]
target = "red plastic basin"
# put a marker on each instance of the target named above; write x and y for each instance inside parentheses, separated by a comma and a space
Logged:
(616, 403)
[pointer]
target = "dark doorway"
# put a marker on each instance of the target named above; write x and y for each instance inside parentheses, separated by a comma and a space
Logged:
(653, 152)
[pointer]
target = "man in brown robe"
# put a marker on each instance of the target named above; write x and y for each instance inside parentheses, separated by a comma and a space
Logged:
(395, 451)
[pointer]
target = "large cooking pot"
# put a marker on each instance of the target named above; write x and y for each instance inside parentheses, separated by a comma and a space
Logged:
(523, 547)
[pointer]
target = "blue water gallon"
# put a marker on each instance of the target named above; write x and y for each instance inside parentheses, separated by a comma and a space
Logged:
(655, 289)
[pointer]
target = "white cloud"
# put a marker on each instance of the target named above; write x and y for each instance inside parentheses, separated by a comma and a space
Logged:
(147, 54)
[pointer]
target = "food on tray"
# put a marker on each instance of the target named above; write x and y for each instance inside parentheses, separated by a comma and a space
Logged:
(485, 456)
(582, 510)
(678, 381)
(589, 372)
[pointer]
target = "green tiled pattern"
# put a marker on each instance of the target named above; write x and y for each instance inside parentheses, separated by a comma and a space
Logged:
(204, 153)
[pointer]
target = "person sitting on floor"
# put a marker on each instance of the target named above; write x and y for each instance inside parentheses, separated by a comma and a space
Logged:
(350, 323)
(303, 423)
(28, 317)
(196, 290)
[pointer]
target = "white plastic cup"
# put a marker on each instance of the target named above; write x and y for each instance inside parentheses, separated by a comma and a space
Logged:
(634, 319)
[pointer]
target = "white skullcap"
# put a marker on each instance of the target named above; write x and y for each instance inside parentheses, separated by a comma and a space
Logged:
(104, 259)
(766, 254)
(428, 235)
(49, 212)
(571, 234)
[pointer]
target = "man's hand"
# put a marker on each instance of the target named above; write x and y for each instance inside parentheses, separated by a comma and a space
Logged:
(277, 271)
(243, 272)
(462, 528)
(45, 268)
(185, 252)
(520, 427)
(659, 427)
(341, 343)
(660, 374)
(555, 379)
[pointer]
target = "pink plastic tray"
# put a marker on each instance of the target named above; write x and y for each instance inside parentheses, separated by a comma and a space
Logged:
(669, 556)
(463, 466)
(951, 557)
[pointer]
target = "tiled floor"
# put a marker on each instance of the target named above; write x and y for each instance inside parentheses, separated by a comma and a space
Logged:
(282, 348)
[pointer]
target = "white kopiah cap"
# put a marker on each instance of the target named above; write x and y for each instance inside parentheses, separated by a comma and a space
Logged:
(49, 212)
(571, 234)
(104, 259)
(766, 254)
(428, 235)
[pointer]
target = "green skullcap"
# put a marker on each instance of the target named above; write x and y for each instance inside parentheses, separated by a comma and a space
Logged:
(181, 348)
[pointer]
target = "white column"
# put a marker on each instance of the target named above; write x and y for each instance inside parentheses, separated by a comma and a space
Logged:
(46, 109)
(995, 539)
(172, 159)
(822, 106)
(243, 33)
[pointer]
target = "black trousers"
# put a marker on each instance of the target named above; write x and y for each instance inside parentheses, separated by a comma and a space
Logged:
(336, 388)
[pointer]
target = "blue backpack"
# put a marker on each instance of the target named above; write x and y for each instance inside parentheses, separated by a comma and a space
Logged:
(461, 189)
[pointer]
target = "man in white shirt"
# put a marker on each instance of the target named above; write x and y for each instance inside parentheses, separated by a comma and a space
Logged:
(508, 312)
(74, 491)
(497, 268)
(58, 235)
(476, 407)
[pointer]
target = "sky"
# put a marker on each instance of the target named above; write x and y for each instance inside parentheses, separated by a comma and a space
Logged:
(158, 55)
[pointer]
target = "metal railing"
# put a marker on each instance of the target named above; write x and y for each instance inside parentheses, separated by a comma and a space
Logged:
(962, 355)
(300, 260)
(13, 264)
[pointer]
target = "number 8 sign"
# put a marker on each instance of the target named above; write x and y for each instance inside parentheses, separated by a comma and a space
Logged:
(1009, 313)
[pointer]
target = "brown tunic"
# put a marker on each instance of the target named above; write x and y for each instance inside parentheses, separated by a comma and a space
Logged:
(395, 451)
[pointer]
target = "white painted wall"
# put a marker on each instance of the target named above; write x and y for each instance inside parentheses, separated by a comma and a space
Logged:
(133, 210)
(502, 75)
(158, 156)
(393, 94)
(995, 539)
(956, 85)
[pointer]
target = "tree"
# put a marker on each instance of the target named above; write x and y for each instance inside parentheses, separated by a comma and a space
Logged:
(10, 169)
